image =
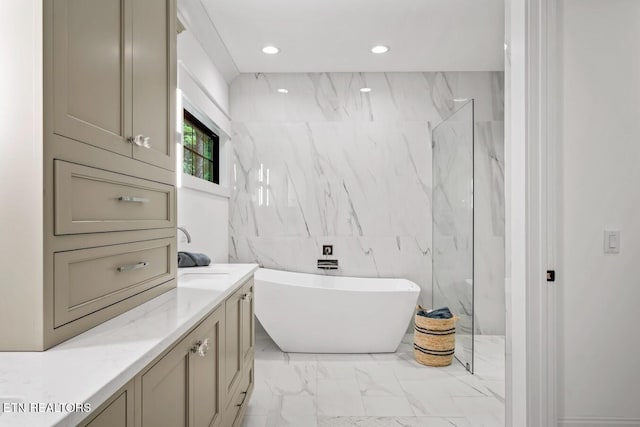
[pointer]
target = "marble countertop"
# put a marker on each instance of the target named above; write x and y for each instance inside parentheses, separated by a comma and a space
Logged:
(92, 366)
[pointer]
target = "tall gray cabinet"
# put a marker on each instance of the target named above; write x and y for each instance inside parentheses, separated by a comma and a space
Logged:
(109, 161)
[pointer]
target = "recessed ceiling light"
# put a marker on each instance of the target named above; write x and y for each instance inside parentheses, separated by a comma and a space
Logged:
(365, 89)
(380, 49)
(270, 50)
(283, 90)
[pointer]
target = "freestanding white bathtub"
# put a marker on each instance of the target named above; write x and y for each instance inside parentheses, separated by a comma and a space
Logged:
(309, 313)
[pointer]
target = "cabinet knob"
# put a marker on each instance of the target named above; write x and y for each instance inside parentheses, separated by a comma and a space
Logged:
(136, 140)
(200, 348)
(140, 141)
(246, 297)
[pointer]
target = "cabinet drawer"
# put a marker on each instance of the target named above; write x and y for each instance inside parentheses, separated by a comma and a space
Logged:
(89, 200)
(88, 280)
(240, 399)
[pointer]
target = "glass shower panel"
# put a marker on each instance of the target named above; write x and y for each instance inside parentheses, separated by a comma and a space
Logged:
(452, 143)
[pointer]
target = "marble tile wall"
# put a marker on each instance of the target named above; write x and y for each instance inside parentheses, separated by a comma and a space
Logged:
(489, 228)
(327, 164)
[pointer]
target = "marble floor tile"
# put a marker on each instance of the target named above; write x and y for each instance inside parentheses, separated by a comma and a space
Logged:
(481, 411)
(254, 420)
(375, 370)
(336, 370)
(495, 387)
(392, 422)
(435, 406)
(412, 371)
(339, 397)
(377, 379)
(387, 387)
(291, 378)
(452, 387)
(294, 411)
(394, 406)
(262, 401)
(375, 390)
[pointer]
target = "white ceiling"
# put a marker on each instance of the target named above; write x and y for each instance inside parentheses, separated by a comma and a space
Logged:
(337, 35)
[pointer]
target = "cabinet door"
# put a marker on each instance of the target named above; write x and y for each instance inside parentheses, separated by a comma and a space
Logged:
(92, 72)
(206, 371)
(233, 343)
(154, 80)
(165, 390)
(116, 412)
(248, 323)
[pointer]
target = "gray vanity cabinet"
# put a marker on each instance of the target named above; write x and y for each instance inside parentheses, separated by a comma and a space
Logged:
(114, 73)
(240, 341)
(109, 97)
(238, 402)
(207, 369)
(91, 72)
(188, 384)
(165, 389)
(183, 387)
(233, 343)
(118, 411)
(248, 325)
(154, 77)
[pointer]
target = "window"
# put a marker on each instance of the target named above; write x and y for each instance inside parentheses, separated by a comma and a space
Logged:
(201, 150)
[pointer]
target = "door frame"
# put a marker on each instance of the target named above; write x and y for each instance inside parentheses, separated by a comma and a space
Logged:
(533, 155)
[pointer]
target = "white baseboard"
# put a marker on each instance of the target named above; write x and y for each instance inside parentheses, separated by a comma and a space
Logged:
(598, 422)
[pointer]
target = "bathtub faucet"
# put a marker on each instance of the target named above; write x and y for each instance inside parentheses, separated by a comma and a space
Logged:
(328, 264)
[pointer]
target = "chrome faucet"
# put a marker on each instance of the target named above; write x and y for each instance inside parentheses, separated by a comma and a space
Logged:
(186, 233)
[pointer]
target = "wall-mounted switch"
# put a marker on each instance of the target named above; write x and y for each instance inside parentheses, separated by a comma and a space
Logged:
(611, 242)
(327, 250)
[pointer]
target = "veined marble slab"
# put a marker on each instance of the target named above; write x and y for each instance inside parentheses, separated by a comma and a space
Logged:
(327, 164)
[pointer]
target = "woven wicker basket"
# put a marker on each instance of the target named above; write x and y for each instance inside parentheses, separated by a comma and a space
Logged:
(434, 340)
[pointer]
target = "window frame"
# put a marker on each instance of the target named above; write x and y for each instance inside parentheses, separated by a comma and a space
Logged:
(213, 161)
(183, 180)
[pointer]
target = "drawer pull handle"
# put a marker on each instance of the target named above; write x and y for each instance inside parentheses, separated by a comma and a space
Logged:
(243, 398)
(132, 267)
(201, 347)
(133, 199)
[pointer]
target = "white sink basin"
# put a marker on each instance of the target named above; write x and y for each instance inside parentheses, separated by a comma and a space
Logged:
(204, 273)
(213, 277)
(204, 281)
(212, 269)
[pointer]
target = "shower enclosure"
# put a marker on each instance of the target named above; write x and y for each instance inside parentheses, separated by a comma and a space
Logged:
(453, 224)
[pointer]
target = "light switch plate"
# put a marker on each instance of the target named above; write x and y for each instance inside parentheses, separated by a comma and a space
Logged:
(611, 242)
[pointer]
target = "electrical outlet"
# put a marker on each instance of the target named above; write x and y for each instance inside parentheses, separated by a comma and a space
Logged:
(327, 250)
